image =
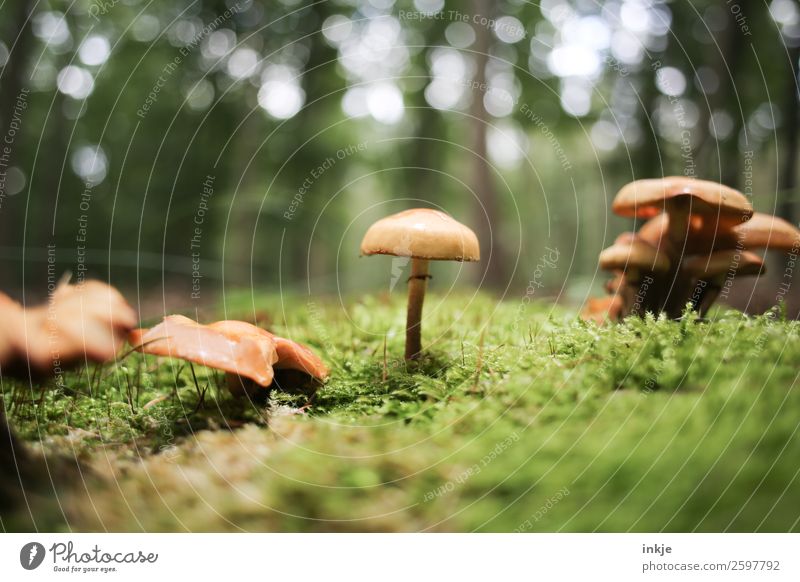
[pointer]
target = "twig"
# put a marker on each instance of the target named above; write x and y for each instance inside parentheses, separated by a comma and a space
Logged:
(479, 365)
(385, 363)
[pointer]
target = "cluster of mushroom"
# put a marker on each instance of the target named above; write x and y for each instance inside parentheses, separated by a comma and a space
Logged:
(697, 238)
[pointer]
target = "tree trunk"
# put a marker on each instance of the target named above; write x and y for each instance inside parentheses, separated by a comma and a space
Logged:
(18, 36)
(487, 215)
(787, 179)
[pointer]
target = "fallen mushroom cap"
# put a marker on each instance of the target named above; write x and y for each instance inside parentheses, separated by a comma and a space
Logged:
(647, 198)
(291, 355)
(721, 262)
(633, 253)
(235, 347)
(422, 233)
(246, 352)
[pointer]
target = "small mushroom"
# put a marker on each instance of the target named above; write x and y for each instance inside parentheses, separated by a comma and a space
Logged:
(423, 235)
(248, 354)
(603, 309)
(709, 274)
(641, 266)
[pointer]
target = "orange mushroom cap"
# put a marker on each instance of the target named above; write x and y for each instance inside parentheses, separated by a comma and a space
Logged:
(236, 347)
(705, 234)
(633, 253)
(83, 322)
(244, 350)
(648, 198)
(767, 231)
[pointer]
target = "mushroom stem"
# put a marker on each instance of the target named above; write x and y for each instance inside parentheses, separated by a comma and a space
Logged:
(704, 296)
(417, 284)
(678, 212)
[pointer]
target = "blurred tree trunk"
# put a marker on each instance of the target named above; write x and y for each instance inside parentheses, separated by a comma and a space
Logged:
(18, 36)
(487, 216)
(649, 161)
(729, 95)
(787, 179)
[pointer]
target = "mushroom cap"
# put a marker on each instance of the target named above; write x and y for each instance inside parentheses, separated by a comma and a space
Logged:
(721, 262)
(83, 322)
(234, 347)
(647, 198)
(767, 231)
(634, 253)
(421, 233)
(704, 234)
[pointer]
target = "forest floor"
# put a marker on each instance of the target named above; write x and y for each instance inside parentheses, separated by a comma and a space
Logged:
(520, 417)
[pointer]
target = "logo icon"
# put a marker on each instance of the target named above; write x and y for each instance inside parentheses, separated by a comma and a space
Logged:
(31, 555)
(402, 257)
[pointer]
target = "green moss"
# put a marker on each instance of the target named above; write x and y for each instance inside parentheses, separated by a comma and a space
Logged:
(516, 418)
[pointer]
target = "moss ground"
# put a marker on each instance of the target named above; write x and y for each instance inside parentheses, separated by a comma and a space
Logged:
(520, 417)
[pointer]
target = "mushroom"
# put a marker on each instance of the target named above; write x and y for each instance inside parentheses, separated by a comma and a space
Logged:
(680, 199)
(80, 323)
(423, 235)
(710, 273)
(248, 354)
(83, 322)
(639, 267)
(603, 309)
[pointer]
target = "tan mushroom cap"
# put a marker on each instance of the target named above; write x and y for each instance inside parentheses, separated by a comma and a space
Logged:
(721, 262)
(703, 235)
(421, 233)
(83, 322)
(767, 231)
(245, 349)
(633, 254)
(236, 347)
(647, 198)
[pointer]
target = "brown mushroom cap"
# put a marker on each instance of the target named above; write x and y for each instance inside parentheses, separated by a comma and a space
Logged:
(703, 233)
(647, 198)
(633, 254)
(87, 321)
(721, 262)
(421, 233)
(241, 348)
(236, 347)
(767, 231)
(704, 236)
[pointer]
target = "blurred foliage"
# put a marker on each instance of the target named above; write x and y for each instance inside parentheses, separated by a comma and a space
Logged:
(131, 106)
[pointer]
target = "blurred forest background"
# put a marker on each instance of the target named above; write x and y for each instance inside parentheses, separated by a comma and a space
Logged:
(194, 147)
